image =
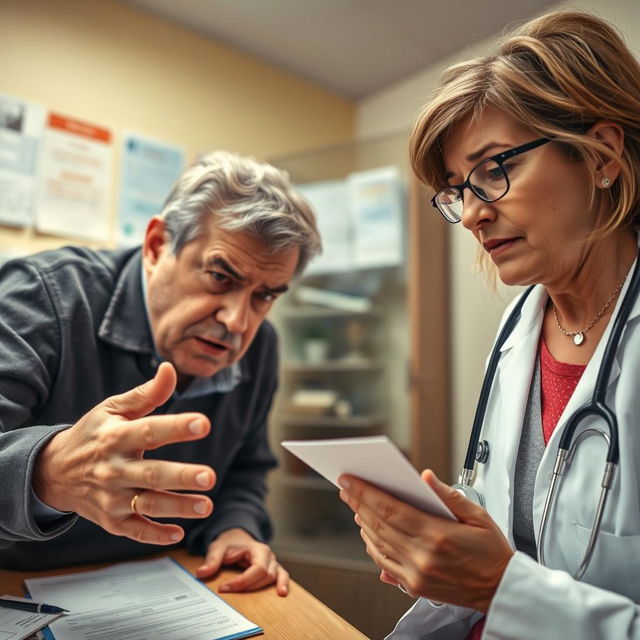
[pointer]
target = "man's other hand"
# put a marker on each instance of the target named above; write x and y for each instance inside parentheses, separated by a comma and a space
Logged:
(237, 547)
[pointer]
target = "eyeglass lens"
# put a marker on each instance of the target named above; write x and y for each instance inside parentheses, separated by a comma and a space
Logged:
(488, 181)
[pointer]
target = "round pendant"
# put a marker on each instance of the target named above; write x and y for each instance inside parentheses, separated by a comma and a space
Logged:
(578, 339)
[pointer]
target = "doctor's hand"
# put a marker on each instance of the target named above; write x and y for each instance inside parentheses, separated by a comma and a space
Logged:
(460, 562)
(236, 546)
(97, 469)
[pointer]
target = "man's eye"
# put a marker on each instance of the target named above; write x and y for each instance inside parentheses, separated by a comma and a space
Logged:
(219, 277)
(266, 296)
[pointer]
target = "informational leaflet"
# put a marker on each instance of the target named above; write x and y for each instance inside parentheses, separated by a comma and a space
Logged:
(143, 600)
(21, 128)
(149, 171)
(76, 179)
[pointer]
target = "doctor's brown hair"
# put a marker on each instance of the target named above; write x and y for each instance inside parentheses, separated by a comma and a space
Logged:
(557, 75)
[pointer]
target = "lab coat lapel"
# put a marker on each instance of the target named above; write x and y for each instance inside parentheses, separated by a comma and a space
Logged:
(513, 378)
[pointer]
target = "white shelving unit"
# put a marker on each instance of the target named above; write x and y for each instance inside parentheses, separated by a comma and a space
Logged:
(359, 367)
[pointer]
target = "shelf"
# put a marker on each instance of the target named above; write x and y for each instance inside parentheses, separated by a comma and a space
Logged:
(309, 312)
(344, 550)
(306, 482)
(331, 366)
(350, 422)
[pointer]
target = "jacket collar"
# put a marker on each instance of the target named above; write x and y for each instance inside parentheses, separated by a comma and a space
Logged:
(125, 323)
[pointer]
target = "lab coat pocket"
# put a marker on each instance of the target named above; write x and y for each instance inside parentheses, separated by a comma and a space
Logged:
(615, 565)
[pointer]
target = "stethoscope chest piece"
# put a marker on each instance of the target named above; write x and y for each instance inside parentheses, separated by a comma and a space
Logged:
(482, 451)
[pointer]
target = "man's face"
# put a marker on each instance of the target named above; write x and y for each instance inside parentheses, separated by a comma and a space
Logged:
(206, 304)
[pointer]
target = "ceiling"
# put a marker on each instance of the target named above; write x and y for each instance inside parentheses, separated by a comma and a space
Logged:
(351, 47)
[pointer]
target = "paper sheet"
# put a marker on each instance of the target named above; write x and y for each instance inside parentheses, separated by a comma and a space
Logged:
(75, 179)
(139, 601)
(374, 459)
(16, 624)
(21, 130)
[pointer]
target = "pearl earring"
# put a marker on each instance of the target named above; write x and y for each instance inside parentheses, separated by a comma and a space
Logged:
(606, 182)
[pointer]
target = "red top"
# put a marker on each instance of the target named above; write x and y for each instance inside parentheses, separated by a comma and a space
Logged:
(558, 381)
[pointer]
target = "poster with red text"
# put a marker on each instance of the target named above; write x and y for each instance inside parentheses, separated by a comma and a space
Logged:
(76, 179)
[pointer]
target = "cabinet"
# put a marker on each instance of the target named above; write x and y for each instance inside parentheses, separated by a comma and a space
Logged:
(377, 367)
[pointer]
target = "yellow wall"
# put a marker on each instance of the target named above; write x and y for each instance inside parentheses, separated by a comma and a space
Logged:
(115, 65)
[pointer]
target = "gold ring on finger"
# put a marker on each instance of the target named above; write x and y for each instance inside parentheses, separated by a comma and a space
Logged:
(134, 500)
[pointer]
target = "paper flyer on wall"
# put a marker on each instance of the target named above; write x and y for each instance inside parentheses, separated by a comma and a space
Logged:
(21, 129)
(377, 210)
(149, 169)
(330, 201)
(76, 179)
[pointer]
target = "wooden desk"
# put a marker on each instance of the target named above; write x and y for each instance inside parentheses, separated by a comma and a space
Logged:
(299, 616)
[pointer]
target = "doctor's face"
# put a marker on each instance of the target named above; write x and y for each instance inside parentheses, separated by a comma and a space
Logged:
(537, 232)
(207, 303)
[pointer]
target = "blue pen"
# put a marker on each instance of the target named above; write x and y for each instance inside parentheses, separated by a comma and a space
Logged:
(34, 607)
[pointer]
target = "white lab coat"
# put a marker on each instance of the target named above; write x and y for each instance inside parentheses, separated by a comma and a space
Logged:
(532, 601)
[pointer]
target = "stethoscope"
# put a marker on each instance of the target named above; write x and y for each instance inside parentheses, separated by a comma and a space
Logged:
(479, 450)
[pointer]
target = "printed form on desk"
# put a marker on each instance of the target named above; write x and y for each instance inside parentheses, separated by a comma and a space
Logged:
(142, 600)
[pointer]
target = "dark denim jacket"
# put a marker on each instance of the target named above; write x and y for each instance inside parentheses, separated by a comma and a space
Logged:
(73, 331)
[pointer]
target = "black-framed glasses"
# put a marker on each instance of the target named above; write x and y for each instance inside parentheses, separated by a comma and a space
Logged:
(489, 180)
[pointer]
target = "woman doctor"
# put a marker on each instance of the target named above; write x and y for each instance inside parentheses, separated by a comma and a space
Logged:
(536, 150)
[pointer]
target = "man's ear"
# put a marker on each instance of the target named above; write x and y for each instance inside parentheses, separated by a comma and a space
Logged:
(612, 136)
(156, 242)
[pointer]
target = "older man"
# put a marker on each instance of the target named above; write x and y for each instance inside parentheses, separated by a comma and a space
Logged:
(135, 384)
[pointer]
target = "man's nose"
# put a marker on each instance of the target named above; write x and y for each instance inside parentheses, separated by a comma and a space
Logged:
(235, 312)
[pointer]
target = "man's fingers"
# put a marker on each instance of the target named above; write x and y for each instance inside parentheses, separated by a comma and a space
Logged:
(144, 530)
(164, 504)
(282, 581)
(256, 576)
(212, 562)
(162, 475)
(152, 432)
(141, 400)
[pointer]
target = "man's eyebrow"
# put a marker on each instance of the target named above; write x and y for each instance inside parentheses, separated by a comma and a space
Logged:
(283, 288)
(480, 153)
(221, 263)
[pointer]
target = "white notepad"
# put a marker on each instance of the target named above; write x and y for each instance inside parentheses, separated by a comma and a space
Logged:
(143, 600)
(374, 459)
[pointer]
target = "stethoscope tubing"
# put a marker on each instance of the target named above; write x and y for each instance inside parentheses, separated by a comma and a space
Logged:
(567, 446)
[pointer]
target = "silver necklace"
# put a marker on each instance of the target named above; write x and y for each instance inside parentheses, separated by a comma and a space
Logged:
(578, 336)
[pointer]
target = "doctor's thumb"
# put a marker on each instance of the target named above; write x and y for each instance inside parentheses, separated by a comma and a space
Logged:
(462, 508)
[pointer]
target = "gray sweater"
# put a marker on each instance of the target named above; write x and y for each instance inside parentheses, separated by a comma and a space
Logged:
(73, 331)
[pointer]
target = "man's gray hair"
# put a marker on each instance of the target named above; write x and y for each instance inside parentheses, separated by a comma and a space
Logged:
(242, 195)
